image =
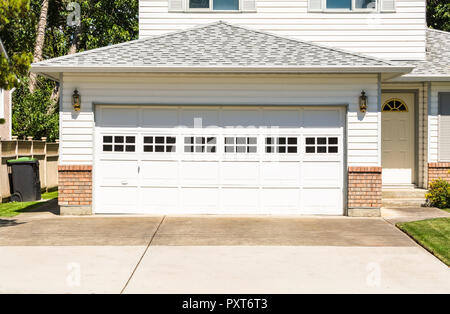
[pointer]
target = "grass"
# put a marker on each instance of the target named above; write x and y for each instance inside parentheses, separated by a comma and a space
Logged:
(447, 210)
(14, 209)
(432, 234)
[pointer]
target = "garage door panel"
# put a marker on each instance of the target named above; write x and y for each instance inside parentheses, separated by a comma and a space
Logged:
(322, 201)
(239, 173)
(199, 200)
(160, 118)
(239, 200)
(159, 200)
(321, 174)
(157, 173)
(118, 172)
(281, 118)
(118, 199)
(199, 173)
(281, 200)
(241, 118)
(278, 174)
(119, 117)
(200, 118)
(323, 118)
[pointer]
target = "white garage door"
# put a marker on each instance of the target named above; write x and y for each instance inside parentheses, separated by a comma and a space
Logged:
(219, 160)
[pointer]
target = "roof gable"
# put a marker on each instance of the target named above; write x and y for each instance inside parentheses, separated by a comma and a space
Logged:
(215, 45)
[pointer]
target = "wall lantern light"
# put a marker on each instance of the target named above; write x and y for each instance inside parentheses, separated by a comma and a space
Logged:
(363, 102)
(76, 100)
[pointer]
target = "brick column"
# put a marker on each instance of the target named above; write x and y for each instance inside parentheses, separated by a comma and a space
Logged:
(438, 170)
(75, 189)
(364, 191)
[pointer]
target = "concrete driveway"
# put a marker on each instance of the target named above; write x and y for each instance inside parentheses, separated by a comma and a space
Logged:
(43, 253)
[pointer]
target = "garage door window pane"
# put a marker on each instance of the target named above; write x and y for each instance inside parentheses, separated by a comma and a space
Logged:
(118, 139)
(321, 145)
(159, 144)
(116, 143)
(107, 139)
(200, 144)
(281, 145)
(241, 145)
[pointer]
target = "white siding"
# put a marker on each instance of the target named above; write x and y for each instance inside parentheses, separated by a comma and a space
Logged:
(77, 129)
(433, 120)
(398, 36)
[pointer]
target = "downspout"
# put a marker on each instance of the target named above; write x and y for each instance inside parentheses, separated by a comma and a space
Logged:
(379, 119)
(427, 157)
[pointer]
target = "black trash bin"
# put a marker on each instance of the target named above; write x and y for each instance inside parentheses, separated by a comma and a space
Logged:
(26, 185)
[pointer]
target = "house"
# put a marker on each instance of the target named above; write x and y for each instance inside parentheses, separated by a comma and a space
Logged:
(255, 107)
(5, 106)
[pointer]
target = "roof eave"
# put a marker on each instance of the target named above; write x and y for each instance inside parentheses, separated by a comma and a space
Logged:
(423, 78)
(36, 68)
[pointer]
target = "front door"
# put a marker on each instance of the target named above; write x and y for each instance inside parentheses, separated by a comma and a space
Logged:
(398, 139)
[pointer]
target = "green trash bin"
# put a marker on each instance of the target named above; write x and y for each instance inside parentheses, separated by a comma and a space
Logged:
(26, 185)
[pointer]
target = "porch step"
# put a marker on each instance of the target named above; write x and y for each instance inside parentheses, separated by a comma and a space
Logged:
(401, 198)
(404, 193)
(403, 202)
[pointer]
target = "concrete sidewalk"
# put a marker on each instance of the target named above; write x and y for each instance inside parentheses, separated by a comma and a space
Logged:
(213, 254)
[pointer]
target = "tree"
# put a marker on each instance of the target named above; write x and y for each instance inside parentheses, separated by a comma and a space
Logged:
(30, 117)
(102, 23)
(39, 45)
(438, 14)
(19, 63)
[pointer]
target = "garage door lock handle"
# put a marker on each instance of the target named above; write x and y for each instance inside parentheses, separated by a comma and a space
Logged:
(124, 182)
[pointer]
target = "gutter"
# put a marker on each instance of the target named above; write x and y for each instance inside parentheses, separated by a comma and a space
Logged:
(423, 78)
(152, 69)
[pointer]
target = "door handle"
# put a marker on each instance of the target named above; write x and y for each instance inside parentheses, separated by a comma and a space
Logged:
(124, 182)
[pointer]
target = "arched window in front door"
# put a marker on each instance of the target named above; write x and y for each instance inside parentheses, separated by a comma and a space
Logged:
(395, 104)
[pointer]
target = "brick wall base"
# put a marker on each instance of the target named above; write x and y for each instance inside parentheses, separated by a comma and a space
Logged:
(364, 191)
(438, 170)
(75, 189)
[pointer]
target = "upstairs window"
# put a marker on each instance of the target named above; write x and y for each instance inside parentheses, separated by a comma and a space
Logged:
(351, 6)
(370, 5)
(215, 5)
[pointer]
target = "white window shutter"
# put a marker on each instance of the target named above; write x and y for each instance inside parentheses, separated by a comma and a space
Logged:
(444, 126)
(387, 5)
(176, 5)
(248, 5)
(315, 5)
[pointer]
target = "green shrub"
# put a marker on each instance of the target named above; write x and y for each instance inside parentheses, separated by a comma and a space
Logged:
(439, 194)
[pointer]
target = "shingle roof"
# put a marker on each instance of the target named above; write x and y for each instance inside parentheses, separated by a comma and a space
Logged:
(215, 45)
(437, 62)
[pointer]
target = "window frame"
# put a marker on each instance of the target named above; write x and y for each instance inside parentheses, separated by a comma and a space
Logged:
(164, 145)
(275, 145)
(353, 9)
(113, 143)
(327, 145)
(210, 9)
(205, 145)
(235, 145)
